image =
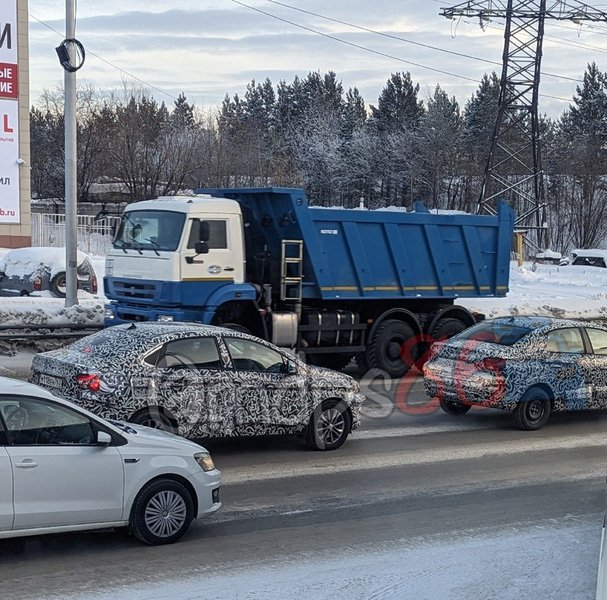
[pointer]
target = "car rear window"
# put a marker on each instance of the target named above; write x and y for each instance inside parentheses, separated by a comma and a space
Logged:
(503, 334)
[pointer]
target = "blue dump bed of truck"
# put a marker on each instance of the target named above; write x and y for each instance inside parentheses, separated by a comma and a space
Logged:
(380, 254)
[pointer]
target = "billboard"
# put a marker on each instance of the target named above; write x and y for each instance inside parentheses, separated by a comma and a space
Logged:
(9, 114)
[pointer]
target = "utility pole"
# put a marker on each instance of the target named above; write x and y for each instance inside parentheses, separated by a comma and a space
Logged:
(71, 158)
(514, 165)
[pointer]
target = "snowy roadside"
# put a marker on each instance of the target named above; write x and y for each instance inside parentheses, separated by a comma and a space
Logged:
(542, 561)
(557, 291)
(44, 309)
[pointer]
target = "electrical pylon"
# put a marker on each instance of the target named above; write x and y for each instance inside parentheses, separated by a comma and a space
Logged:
(514, 165)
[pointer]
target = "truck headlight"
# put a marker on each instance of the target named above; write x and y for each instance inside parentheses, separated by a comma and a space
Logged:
(165, 318)
(109, 266)
(108, 313)
(205, 461)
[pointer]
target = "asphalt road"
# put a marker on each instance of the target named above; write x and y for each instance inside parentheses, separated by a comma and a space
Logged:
(467, 506)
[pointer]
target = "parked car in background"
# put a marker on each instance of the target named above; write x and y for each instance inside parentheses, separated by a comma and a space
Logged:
(202, 381)
(27, 270)
(64, 469)
(589, 258)
(530, 366)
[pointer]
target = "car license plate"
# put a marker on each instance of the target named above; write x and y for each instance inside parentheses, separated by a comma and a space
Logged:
(50, 381)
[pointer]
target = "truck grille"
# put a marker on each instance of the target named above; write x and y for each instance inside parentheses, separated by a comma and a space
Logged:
(130, 290)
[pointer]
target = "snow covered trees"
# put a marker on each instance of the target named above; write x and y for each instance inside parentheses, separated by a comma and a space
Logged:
(313, 133)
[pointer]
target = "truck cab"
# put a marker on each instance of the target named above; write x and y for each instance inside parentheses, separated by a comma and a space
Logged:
(171, 255)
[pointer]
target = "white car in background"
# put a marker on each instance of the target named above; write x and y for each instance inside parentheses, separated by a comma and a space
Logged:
(63, 469)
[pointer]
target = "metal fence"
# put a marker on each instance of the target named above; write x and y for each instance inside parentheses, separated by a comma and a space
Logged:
(93, 237)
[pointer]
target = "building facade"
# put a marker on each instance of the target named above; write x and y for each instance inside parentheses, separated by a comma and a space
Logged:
(15, 188)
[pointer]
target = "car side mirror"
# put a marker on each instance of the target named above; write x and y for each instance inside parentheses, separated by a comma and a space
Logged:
(103, 438)
(201, 248)
(290, 368)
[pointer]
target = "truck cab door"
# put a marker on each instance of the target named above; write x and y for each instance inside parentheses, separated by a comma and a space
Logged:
(223, 256)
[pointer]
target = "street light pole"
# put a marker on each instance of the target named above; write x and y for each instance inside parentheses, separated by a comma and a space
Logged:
(71, 209)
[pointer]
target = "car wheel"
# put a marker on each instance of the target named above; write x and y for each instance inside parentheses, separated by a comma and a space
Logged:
(329, 426)
(156, 419)
(58, 285)
(533, 410)
(162, 512)
(454, 408)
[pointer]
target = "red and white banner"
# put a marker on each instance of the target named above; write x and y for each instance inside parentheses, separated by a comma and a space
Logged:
(9, 114)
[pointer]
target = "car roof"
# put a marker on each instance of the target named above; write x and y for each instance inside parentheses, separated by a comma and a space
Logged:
(533, 322)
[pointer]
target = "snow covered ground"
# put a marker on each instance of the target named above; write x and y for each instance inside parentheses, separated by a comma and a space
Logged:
(538, 562)
(550, 290)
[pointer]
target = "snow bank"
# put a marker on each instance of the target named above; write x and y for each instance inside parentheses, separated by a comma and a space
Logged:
(549, 290)
(27, 261)
(51, 311)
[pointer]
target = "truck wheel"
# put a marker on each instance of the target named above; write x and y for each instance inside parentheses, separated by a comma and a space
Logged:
(58, 285)
(447, 328)
(533, 410)
(162, 512)
(442, 330)
(385, 351)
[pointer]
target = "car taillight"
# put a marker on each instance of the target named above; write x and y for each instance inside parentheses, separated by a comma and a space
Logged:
(494, 364)
(38, 284)
(94, 284)
(89, 382)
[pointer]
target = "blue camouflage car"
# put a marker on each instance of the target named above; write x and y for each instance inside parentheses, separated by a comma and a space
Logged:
(529, 366)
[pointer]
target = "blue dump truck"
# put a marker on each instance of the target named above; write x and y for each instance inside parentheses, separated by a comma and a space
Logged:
(332, 284)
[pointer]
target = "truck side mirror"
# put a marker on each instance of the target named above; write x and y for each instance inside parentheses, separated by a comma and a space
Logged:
(201, 248)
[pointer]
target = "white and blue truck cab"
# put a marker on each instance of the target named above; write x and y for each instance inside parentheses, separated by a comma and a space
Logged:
(331, 284)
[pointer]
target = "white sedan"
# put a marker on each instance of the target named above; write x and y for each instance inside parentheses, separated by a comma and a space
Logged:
(64, 469)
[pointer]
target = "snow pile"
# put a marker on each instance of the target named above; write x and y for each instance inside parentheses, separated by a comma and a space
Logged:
(51, 311)
(24, 262)
(549, 290)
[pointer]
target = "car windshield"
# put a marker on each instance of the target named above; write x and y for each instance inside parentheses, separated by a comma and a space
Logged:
(150, 230)
(504, 334)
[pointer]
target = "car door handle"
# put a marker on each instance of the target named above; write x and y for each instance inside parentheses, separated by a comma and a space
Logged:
(28, 463)
(228, 268)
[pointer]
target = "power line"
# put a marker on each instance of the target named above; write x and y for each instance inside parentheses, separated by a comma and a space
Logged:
(360, 47)
(157, 89)
(336, 39)
(402, 39)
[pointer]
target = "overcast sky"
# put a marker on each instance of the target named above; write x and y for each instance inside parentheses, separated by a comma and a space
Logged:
(205, 48)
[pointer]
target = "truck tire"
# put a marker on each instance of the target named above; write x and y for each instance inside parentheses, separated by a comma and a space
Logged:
(385, 349)
(446, 328)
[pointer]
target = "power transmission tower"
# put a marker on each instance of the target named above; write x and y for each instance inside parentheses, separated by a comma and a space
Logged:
(514, 165)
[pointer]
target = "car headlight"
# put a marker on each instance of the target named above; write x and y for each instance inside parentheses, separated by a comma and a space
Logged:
(165, 318)
(108, 313)
(205, 461)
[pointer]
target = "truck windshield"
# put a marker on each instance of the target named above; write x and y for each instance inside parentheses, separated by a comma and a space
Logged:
(150, 230)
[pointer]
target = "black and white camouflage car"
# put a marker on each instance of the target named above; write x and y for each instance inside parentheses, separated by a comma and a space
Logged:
(530, 366)
(201, 381)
